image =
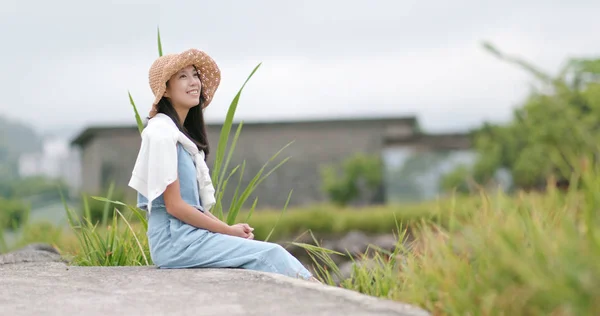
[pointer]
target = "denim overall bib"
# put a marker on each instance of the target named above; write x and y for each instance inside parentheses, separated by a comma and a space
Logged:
(175, 244)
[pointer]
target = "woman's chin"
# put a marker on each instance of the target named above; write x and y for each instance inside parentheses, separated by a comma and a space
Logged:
(192, 103)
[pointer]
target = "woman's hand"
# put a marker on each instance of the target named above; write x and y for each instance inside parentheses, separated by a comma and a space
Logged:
(242, 230)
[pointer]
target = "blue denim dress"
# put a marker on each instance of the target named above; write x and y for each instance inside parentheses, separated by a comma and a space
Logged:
(175, 244)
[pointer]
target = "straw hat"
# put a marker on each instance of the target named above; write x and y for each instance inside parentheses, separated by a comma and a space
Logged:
(167, 65)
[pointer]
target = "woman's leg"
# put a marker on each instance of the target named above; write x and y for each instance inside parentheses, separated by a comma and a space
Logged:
(224, 251)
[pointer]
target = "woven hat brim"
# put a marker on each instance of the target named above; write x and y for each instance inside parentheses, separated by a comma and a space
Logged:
(210, 74)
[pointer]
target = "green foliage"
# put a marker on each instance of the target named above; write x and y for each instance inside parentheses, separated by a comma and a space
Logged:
(30, 187)
(332, 220)
(100, 211)
(534, 254)
(557, 122)
(358, 176)
(138, 119)
(117, 244)
(221, 175)
(376, 275)
(13, 213)
(409, 182)
(457, 179)
(39, 232)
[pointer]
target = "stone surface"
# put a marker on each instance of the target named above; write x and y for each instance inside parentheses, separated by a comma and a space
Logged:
(357, 243)
(31, 253)
(354, 242)
(386, 242)
(57, 289)
(40, 246)
(346, 267)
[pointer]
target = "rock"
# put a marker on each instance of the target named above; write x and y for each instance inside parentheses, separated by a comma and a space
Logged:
(32, 253)
(346, 268)
(355, 242)
(385, 242)
(40, 246)
(57, 289)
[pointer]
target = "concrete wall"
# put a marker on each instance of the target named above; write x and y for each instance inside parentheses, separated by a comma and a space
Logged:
(108, 156)
(315, 143)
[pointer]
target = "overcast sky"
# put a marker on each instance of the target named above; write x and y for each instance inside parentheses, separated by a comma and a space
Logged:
(71, 63)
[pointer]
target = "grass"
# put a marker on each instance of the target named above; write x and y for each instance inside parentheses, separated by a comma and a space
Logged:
(270, 225)
(490, 254)
(529, 254)
(328, 219)
(119, 243)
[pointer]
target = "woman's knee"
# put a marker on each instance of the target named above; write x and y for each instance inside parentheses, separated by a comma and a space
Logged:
(275, 246)
(278, 250)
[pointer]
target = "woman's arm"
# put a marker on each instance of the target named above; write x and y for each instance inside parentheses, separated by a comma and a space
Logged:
(245, 226)
(177, 207)
(209, 214)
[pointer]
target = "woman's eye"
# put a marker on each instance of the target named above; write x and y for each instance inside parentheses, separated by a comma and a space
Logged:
(182, 76)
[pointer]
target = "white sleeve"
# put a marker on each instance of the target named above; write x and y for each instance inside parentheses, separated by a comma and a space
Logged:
(156, 165)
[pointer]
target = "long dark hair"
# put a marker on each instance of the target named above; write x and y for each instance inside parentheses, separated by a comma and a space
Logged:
(193, 127)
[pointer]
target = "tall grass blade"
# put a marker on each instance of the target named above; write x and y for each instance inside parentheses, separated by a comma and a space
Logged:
(134, 236)
(138, 119)
(160, 51)
(224, 137)
(254, 183)
(280, 215)
(86, 208)
(136, 211)
(252, 209)
(258, 179)
(229, 155)
(107, 205)
(222, 193)
(239, 185)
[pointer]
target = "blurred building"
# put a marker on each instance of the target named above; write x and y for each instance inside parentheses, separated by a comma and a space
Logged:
(56, 160)
(108, 153)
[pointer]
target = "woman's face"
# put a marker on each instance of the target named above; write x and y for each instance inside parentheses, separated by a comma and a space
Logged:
(184, 88)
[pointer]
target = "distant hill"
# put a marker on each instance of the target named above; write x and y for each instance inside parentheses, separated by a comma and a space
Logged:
(16, 138)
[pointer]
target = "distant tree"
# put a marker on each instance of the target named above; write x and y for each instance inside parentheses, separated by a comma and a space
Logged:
(557, 124)
(409, 181)
(359, 176)
(13, 213)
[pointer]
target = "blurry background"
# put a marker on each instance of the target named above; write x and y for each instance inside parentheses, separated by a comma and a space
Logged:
(392, 89)
(416, 113)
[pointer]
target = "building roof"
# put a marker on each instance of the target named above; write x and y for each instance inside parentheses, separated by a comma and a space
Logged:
(87, 134)
(440, 141)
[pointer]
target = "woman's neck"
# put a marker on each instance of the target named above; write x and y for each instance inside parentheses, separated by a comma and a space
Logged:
(182, 114)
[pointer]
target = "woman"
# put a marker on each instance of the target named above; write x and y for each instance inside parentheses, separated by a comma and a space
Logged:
(174, 184)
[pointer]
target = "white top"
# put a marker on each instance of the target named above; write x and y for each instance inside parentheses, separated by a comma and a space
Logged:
(156, 164)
